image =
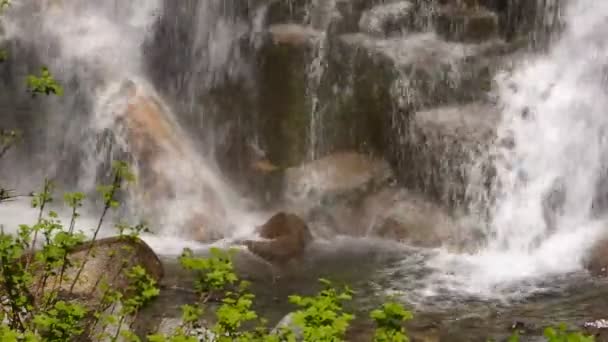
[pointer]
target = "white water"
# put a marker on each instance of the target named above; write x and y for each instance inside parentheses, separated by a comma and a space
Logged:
(99, 43)
(561, 144)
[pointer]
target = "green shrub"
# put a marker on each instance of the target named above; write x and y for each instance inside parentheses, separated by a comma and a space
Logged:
(389, 320)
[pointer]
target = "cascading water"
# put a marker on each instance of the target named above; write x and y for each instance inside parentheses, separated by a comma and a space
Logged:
(96, 50)
(551, 156)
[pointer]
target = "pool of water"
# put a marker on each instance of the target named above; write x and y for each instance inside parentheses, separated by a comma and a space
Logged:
(378, 270)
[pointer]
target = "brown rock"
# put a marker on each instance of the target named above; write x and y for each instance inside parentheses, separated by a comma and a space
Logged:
(202, 228)
(158, 145)
(107, 262)
(597, 261)
(287, 237)
(466, 24)
(292, 34)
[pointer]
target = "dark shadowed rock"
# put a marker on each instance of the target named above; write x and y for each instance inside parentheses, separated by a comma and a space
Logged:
(597, 261)
(467, 25)
(286, 237)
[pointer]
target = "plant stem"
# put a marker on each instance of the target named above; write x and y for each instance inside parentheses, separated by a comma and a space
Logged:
(45, 198)
(107, 206)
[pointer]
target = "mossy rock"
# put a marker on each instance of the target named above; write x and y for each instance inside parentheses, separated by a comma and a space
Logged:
(467, 25)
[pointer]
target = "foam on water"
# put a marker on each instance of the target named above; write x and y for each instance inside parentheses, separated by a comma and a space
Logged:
(551, 154)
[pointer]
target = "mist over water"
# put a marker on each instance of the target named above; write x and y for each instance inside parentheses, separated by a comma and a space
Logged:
(95, 49)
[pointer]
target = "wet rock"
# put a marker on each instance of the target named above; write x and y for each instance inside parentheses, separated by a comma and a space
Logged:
(395, 214)
(445, 153)
(283, 121)
(373, 86)
(333, 176)
(293, 34)
(285, 237)
(166, 165)
(287, 11)
(597, 260)
(539, 20)
(107, 262)
(597, 329)
(383, 19)
(335, 16)
(467, 25)
(355, 195)
(200, 227)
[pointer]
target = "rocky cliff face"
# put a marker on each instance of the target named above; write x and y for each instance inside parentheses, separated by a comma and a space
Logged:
(405, 80)
(266, 85)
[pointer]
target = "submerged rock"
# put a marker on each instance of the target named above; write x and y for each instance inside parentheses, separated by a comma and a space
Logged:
(396, 214)
(597, 329)
(286, 236)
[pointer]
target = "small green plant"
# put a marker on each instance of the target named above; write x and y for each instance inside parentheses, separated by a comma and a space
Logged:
(389, 320)
(44, 84)
(34, 281)
(214, 274)
(559, 334)
(322, 317)
(8, 138)
(61, 322)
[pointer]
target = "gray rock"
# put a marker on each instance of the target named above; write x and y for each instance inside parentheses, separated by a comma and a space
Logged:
(445, 153)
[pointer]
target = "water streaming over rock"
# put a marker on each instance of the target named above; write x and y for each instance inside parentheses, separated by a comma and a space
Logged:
(550, 158)
(112, 110)
(553, 129)
(196, 92)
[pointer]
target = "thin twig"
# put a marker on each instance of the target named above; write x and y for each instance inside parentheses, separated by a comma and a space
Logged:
(107, 206)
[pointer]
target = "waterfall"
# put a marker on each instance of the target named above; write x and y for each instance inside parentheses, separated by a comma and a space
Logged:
(112, 108)
(551, 158)
(554, 114)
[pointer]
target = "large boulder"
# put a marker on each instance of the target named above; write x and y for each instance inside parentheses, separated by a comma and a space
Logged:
(171, 175)
(103, 261)
(284, 237)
